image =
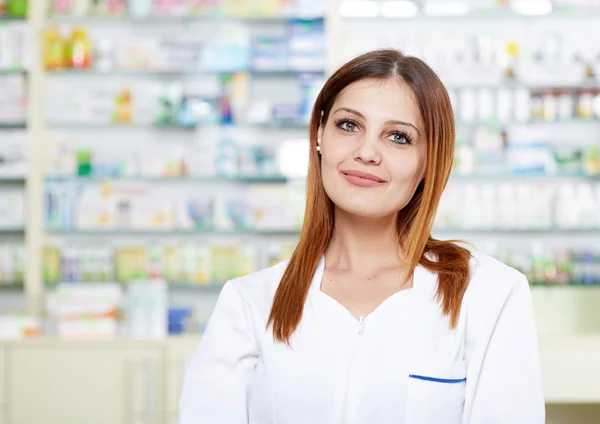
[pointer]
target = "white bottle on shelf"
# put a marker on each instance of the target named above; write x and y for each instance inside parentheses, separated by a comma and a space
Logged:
(147, 309)
(81, 7)
(140, 8)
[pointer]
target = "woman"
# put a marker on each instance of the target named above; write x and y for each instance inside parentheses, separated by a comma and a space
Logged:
(372, 320)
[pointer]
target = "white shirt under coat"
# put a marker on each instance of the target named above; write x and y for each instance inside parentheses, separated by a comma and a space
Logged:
(401, 364)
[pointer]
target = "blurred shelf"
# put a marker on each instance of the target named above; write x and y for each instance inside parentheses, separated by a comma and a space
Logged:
(13, 179)
(173, 232)
(265, 125)
(210, 288)
(595, 232)
(7, 18)
(485, 13)
(213, 287)
(527, 81)
(8, 286)
(172, 127)
(12, 230)
(536, 122)
(155, 19)
(12, 72)
(561, 285)
(177, 72)
(13, 125)
(186, 179)
(521, 177)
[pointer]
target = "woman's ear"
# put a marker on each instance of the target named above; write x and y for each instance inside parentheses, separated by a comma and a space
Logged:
(319, 135)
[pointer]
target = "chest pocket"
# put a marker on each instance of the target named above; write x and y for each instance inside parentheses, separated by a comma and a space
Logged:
(436, 393)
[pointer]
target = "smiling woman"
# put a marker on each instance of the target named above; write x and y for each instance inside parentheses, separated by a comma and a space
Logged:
(372, 320)
(379, 146)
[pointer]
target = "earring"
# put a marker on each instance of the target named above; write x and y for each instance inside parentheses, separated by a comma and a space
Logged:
(318, 148)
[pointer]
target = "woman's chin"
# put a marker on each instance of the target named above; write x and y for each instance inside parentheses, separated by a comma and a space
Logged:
(365, 211)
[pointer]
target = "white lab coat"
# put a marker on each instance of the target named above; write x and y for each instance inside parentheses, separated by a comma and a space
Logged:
(401, 364)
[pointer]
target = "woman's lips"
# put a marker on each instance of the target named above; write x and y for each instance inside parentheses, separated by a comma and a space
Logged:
(363, 179)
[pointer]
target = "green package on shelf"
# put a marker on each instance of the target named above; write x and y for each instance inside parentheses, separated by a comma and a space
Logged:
(17, 8)
(84, 163)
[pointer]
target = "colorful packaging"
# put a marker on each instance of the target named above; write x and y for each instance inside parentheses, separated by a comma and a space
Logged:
(54, 49)
(79, 49)
(17, 8)
(108, 7)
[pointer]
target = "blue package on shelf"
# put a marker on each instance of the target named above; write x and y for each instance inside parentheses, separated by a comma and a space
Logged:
(310, 85)
(200, 211)
(60, 204)
(226, 162)
(237, 212)
(530, 158)
(306, 45)
(225, 58)
(197, 110)
(269, 53)
(178, 319)
(286, 112)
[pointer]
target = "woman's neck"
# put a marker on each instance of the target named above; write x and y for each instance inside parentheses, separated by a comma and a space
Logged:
(362, 244)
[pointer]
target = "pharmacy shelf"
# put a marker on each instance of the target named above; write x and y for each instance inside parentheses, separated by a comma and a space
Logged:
(592, 232)
(481, 13)
(178, 72)
(12, 72)
(6, 18)
(156, 19)
(537, 122)
(12, 179)
(183, 287)
(485, 177)
(8, 286)
(177, 286)
(526, 81)
(171, 126)
(174, 232)
(564, 285)
(174, 286)
(13, 125)
(12, 230)
(183, 179)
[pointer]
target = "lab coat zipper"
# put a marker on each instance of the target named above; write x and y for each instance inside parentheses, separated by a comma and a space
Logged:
(361, 325)
(361, 330)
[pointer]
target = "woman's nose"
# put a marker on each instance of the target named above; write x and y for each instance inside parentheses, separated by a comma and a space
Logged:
(368, 150)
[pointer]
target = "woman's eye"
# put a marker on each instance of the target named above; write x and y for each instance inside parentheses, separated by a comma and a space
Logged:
(399, 138)
(348, 126)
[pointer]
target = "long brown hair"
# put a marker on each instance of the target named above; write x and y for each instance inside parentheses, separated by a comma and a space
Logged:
(448, 260)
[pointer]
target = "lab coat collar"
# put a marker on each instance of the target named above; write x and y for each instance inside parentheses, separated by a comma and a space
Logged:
(315, 284)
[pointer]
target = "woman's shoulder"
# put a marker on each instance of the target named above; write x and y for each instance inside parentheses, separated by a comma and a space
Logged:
(491, 284)
(490, 273)
(486, 269)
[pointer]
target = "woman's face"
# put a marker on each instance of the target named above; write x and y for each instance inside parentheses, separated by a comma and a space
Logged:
(373, 148)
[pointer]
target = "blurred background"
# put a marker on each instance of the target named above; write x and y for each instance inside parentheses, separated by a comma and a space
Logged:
(150, 150)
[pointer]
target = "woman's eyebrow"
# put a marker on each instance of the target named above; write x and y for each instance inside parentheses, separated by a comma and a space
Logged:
(352, 111)
(396, 122)
(388, 122)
